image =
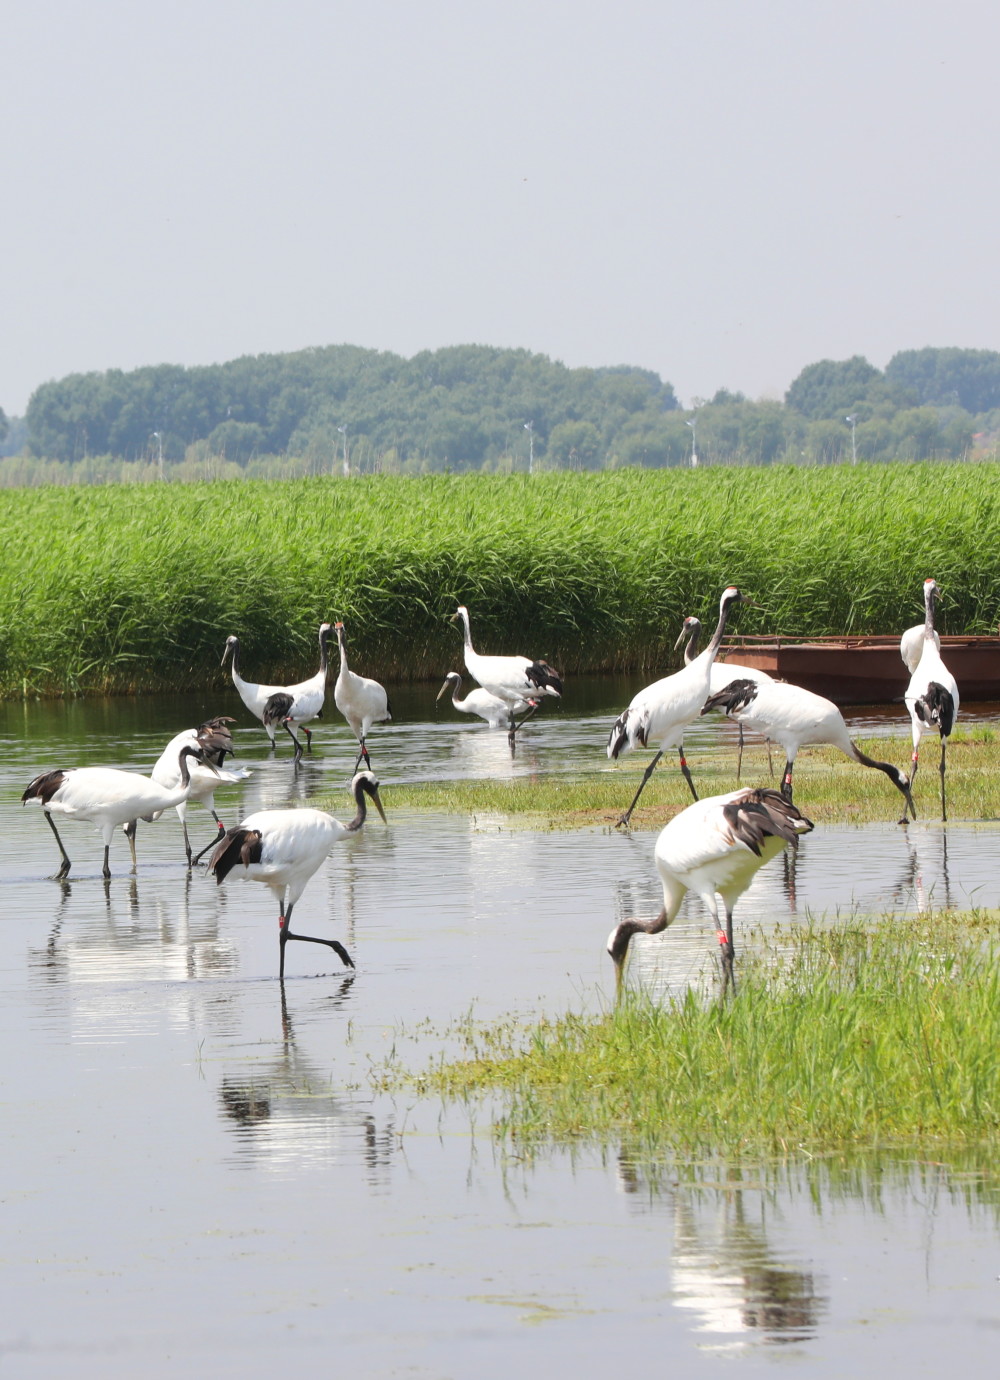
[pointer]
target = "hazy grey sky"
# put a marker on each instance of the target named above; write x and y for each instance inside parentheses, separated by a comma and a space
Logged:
(723, 191)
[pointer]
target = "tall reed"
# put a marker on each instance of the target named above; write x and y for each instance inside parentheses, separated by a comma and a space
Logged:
(121, 588)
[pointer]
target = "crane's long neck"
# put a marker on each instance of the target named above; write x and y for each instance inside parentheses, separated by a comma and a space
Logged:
(236, 657)
(694, 638)
(342, 641)
(930, 594)
(727, 601)
(324, 650)
(362, 811)
(467, 631)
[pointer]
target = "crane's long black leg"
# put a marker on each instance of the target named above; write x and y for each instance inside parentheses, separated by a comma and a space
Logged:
(107, 864)
(739, 757)
(298, 746)
(913, 777)
(66, 864)
(516, 724)
(309, 738)
(218, 838)
(786, 781)
(687, 774)
(286, 934)
(944, 812)
(645, 777)
(728, 954)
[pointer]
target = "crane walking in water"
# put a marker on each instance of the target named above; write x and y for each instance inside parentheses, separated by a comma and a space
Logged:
(284, 848)
(362, 702)
(715, 848)
(480, 702)
(662, 711)
(932, 694)
(108, 797)
(516, 680)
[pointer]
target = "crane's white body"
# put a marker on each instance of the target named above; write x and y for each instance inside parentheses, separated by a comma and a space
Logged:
(714, 848)
(294, 845)
(516, 680)
(254, 696)
(931, 697)
(283, 849)
(308, 696)
(660, 713)
(362, 702)
(480, 702)
(204, 781)
(106, 796)
(911, 646)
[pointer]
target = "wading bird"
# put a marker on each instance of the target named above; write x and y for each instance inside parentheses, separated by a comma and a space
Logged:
(481, 702)
(794, 718)
(283, 705)
(107, 797)
(911, 646)
(513, 679)
(932, 694)
(362, 702)
(298, 705)
(714, 848)
(723, 674)
(284, 848)
(213, 740)
(662, 711)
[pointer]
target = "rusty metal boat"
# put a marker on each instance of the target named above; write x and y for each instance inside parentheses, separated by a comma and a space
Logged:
(866, 670)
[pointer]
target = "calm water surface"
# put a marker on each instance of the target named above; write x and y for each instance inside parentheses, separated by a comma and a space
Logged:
(199, 1179)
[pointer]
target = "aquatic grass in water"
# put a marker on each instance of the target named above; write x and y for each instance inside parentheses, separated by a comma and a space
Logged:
(126, 588)
(861, 1035)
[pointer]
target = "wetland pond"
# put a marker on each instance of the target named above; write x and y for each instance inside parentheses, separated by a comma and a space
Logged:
(199, 1179)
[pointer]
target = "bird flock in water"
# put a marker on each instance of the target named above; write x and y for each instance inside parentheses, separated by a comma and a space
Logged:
(714, 847)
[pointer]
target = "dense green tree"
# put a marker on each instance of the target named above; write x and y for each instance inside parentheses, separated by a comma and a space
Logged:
(838, 388)
(970, 378)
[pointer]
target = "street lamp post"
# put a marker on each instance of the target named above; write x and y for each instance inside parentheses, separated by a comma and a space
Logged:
(158, 438)
(852, 421)
(347, 468)
(693, 424)
(530, 429)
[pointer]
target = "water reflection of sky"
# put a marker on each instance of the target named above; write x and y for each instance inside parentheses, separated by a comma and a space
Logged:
(200, 1167)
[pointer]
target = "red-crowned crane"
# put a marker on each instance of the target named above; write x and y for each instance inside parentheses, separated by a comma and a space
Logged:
(714, 848)
(284, 848)
(513, 679)
(662, 711)
(283, 705)
(362, 702)
(489, 707)
(213, 740)
(932, 694)
(793, 718)
(107, 797)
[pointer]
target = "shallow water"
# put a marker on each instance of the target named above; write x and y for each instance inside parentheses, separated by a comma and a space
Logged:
(199, 1177)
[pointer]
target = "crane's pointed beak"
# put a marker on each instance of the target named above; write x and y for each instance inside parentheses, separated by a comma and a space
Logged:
(443, 689)
(378, 805)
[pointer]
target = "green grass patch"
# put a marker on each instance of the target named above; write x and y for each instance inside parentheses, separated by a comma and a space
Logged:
(862, 1035)
(829, 787)
(135, 588)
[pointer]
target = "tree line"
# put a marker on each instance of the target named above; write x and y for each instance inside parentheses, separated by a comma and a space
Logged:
(342, 408)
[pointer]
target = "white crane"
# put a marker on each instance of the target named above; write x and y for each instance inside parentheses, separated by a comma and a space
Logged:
(723, 673)
(298, 705)
(513, 679)
(911, 646)
(362, 702)
(794, 718)
(107, 797)
(213, 740)
(283, 705)
(715, 847)
(932, 694)
(284, 848)
(662, 711)
(489, 707)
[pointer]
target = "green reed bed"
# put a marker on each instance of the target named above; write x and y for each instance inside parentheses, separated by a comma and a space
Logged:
(860, 1035)
(131, 589)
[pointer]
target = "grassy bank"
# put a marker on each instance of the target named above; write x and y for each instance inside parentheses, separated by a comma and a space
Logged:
(132, 589)
(829, 787)
(858, 1036)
